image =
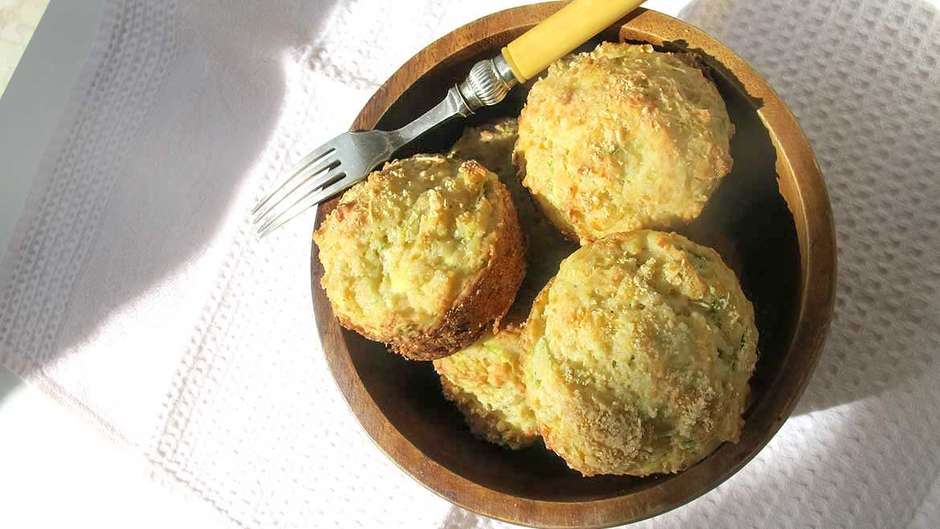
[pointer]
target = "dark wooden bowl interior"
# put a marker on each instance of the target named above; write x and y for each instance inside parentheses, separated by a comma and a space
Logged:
(748, 221)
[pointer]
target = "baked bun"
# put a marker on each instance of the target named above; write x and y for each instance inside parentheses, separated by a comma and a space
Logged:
(485, 381)
(424, 255)
(623, 138)
(642, 347)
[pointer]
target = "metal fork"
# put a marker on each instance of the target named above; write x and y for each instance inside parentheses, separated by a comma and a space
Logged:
(348, 158)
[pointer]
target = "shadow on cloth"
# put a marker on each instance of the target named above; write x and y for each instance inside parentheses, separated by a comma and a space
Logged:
(167, 183)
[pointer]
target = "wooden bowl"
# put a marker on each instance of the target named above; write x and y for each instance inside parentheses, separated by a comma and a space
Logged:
(770, 219)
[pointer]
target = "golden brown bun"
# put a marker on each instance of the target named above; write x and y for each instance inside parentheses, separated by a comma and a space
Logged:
(623, 138)
(485, 381)
(424, 255)
(643, 345)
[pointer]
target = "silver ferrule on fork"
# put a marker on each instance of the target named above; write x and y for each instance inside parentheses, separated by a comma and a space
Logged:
(487, 84)
(348, 158)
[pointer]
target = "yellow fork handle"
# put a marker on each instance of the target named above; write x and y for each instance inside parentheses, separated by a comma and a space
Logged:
(562, 32)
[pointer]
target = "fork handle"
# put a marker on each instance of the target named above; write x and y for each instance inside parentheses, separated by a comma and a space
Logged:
(490, 80)
(557, 35)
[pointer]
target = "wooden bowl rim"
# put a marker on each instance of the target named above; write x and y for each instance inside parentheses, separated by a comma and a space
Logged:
(812, 214)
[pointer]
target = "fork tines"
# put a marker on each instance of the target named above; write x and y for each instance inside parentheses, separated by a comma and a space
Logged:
(315, 178)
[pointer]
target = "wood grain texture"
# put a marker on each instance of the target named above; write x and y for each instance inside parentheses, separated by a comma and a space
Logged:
(770, 219)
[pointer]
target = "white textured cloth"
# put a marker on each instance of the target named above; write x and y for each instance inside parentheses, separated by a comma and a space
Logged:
(135, 292)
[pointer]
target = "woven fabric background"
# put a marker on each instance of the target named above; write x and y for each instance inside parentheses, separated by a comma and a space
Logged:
(137, 293)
